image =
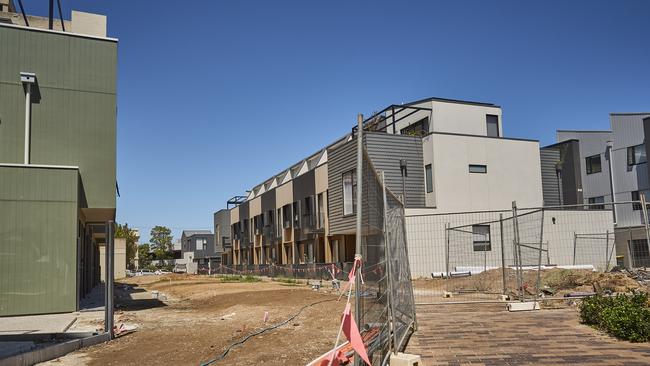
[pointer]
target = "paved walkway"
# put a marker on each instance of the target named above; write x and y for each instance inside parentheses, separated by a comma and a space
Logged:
(486, 334)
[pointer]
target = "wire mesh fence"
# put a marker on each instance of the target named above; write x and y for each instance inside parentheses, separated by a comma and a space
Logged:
(386, 302)
(481, 256)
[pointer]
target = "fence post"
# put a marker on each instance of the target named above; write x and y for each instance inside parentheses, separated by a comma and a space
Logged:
(392, 345)
(503, 256)
(539, 263)
(645, 219)
(447, 225)
(357, 284)
(607, 251)
(517, 251)
(575, 243)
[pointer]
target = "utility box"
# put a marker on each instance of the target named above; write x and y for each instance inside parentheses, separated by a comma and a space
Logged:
(404, 359)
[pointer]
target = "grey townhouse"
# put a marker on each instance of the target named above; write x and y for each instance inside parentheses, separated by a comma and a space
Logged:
(602, 168)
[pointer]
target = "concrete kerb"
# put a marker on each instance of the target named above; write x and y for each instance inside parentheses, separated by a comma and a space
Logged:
(54, 351)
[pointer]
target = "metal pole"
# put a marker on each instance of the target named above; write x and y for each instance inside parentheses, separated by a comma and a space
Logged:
(357, 285)
(575, 243)
(539, 263)
(503, 256)
(447, 226)
(645, 219)
(109, 279)
(51, 15)
(28, 120)
(391, 304)
(517, 251)
(607, 251)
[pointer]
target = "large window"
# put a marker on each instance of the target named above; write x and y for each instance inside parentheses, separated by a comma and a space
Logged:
(481, 238)
(593, 164)
(492, 122)
(320, 211)
(636, 154)
(476, 168)
(419, 128)
(428, 173)
(636, 197)
(595, 202)
(296, 214)
(349, 192)
(201, 244)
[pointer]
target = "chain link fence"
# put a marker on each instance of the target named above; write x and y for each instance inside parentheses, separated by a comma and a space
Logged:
(387, 306)
(519, 253)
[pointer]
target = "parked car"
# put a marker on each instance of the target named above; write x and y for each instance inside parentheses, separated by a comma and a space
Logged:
(144, 272)
(180, 268)
(129, 273)
(161, 272)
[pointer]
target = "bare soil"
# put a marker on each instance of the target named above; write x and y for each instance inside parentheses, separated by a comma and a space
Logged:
(202, 316)
(488, 284)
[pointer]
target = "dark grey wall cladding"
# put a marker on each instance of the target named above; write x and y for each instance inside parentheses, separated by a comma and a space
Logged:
(386, 151)
(549, 157)
(571, 173)
(268, 201)
(339, 160)
(304, 186)
(222, 222)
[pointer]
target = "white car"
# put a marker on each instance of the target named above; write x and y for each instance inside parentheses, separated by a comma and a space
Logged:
(161, 272)
(143, 272)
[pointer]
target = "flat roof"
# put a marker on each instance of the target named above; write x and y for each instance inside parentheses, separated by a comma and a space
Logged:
(480, 136)
(34, 29)
(586, 131)
(458, 101)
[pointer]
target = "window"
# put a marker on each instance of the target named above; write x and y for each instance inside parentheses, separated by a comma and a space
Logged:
(474, 168)
(481, 238)
(636, 154)
(636, 197)
(286, 216)
(201, 244)
(428, 177)
(296, 214)
(349, 192)
(593, 164)
(320, 211)
(419, 128)
(492, 122)
(595, 200)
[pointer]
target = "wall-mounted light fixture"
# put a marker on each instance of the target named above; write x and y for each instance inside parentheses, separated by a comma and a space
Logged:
(29, 82)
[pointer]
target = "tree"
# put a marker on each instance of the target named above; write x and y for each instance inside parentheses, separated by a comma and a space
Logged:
(144, 258)
(161, 242)
(132, 238)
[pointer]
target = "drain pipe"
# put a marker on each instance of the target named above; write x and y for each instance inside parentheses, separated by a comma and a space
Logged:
(28, 78)
(611, 178)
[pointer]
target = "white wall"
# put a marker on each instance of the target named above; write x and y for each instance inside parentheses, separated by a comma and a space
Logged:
(451, 117)
(513, 173)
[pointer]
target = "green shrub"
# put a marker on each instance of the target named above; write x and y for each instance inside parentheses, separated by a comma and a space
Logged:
(623, 316)
(239, 278)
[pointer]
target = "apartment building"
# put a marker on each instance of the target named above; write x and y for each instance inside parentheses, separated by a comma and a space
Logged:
(57, 158)
(222, 242)
(440, 155)
(602, 167)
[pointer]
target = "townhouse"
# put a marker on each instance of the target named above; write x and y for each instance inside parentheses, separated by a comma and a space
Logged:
(198, 247)
(441, 156)
(605, 169)
(58, 107)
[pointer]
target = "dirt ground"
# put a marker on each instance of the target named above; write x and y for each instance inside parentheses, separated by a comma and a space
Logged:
(489, 284)
(201, 316)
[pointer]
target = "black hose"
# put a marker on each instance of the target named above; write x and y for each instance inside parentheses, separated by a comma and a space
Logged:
(243, 340)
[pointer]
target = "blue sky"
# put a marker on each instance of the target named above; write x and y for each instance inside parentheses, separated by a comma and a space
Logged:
(210, 91)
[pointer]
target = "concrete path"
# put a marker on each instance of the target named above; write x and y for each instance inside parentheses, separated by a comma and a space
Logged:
(486, 334)
(34, 324)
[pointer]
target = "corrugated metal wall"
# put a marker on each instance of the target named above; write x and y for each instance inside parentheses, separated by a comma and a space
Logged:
(75, 121)
(38, 246)
(550, 184)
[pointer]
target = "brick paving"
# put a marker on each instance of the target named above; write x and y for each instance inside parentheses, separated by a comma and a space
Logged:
(486, 334)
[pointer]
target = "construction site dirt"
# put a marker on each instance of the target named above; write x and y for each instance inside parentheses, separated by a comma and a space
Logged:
(191, 320)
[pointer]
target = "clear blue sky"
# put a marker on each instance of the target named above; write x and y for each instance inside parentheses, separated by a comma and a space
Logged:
(216, 96)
